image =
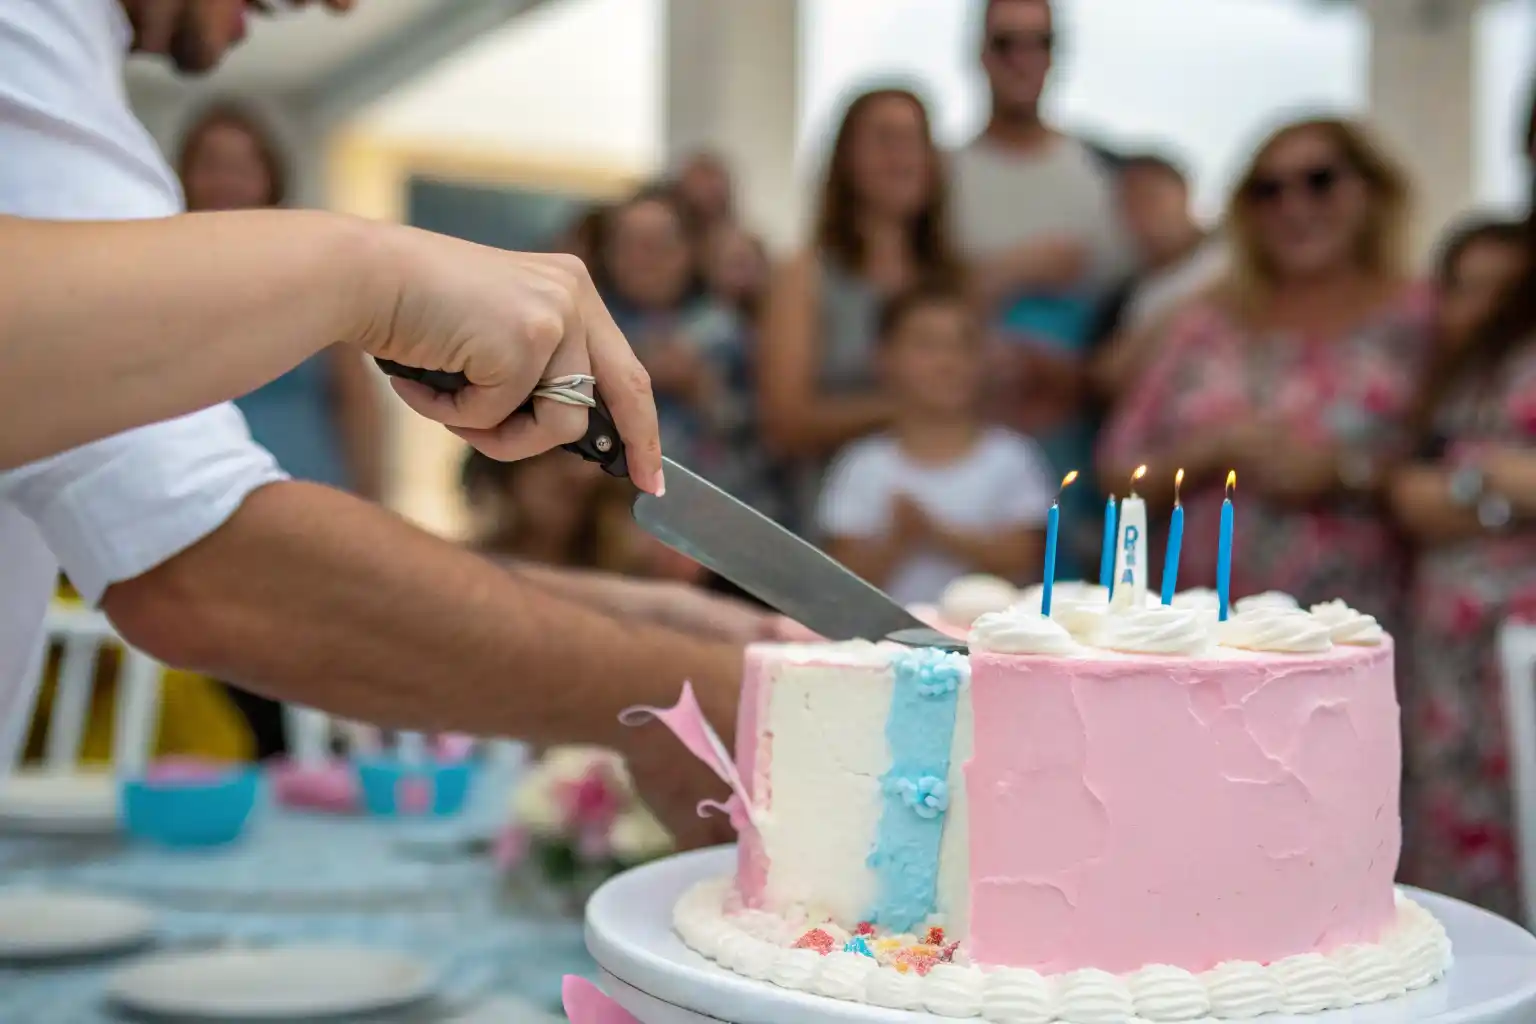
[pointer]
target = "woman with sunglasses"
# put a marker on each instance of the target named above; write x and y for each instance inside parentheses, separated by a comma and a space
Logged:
(1468, 503)
(1297, 370)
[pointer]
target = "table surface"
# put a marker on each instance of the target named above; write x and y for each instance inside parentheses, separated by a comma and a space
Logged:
(375, 883)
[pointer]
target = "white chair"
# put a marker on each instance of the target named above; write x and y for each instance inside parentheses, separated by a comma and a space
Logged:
(1517, 652)
(82, 633)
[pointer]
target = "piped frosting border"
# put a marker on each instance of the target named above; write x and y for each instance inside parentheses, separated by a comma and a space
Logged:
(1414, 953)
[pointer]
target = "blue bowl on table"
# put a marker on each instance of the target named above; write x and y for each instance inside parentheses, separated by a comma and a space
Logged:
(191, 812)
(392, 787)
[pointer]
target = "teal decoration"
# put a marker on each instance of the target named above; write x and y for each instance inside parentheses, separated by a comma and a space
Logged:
(859, 946)
(919, 733)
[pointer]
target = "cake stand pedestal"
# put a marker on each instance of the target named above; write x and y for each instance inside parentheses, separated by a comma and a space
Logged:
(661, 981)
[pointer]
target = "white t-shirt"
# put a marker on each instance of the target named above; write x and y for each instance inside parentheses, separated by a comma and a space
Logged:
(71, 149)
(1002, 482)
(1002, 199)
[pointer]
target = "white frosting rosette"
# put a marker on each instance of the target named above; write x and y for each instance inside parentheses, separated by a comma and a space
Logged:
(1348, 626)
(970, 597)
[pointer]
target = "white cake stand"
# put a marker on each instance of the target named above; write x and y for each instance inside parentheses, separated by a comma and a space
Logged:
(661, 981)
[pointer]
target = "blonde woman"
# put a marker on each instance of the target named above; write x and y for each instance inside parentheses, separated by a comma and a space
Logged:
(1298, 370)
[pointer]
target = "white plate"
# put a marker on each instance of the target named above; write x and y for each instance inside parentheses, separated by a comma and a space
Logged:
(629, 931)
(42, 803)
(41, 925)
(293, 983)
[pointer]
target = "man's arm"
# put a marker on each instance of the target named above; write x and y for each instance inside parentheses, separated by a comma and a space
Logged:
(313, 596)
(108, 326)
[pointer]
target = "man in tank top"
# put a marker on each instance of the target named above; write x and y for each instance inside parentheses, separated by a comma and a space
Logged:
(1035, 213)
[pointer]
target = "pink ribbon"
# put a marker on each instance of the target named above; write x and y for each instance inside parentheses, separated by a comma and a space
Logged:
(686, 721)
(585, 1003)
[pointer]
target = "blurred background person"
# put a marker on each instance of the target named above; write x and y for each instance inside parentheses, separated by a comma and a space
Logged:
(541, 509)
(323, 421)
(736, 268)
(1300, 372)
(695, 347)
(703, 184)
(1468, 505)
(1176, 259)
(939, 493)
(880, 227)
(1035, 213)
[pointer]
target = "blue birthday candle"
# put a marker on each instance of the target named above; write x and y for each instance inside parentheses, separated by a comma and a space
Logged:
(1175, 542)
(1224, 551)
(1052, 528)
(1107, 557)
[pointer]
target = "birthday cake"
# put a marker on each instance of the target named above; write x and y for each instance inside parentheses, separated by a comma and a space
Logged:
(1125, 811)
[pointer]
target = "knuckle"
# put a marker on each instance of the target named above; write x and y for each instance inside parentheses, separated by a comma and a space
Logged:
(572, 268)
(544, 329)
(636, 380)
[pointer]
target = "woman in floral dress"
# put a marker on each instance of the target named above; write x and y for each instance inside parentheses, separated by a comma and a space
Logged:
(1469, 504)
(1298, 371)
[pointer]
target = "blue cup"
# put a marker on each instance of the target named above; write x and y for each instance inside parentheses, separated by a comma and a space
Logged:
(383, 780)
(190, 813)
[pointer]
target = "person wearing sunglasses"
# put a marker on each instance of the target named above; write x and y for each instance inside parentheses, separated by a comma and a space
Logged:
(1298, 369)
(117, 310)
(1036, 219)
(1468, 505)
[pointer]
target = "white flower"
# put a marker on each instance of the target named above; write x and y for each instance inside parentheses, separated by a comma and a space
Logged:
(537, 803)
(637, 836)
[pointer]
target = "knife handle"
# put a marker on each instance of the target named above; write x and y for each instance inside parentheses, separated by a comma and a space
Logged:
(601, 443)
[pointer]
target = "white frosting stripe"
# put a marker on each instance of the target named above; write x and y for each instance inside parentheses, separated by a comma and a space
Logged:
(1414, 953)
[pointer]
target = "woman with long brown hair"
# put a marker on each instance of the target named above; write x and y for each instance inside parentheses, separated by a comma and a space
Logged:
(1298, 371)
(1469, 505)
(322, 420)
(881, 227)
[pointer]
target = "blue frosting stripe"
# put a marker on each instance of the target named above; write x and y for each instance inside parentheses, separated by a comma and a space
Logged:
(919, 734)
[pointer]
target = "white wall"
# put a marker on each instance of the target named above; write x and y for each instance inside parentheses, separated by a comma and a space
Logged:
(574, 80)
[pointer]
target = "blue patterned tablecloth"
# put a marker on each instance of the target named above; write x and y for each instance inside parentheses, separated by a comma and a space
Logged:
(297, 878)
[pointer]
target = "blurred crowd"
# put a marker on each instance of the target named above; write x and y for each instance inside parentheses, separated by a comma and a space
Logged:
(964, 328)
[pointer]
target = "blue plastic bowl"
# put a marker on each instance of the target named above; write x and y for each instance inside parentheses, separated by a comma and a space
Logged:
(383, 779)
(190, 813)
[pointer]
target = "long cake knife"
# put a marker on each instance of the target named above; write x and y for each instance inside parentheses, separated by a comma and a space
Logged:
(735, 541)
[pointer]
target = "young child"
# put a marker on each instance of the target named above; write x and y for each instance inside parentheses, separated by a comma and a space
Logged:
(941, 494)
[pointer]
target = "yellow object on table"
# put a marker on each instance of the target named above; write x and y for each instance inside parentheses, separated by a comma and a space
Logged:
(197, 718)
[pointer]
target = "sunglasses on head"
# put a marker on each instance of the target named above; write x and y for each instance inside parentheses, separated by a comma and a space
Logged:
(1314, 183)
(1006, 44)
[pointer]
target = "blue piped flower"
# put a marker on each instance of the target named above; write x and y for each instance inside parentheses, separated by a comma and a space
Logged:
(859, 946)
(934, 673)
(928, 796)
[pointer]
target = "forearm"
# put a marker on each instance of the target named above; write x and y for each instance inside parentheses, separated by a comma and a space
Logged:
(312, 596)
(108, 326)
(1513, 476)
(819, 428)
(1012, 554)
(1423, 507)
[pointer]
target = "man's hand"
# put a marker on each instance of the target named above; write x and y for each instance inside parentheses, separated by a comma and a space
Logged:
(506, 321)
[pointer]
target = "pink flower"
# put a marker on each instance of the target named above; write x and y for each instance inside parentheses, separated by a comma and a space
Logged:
(592, 845)
(592, 802)
(1464, 614)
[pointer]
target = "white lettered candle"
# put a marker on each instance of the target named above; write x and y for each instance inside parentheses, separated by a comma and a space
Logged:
(1131, 549)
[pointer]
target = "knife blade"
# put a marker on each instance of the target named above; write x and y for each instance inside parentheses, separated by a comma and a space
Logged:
(740, 544)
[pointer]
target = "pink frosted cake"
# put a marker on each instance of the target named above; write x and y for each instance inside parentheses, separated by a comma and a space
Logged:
(1127, 814)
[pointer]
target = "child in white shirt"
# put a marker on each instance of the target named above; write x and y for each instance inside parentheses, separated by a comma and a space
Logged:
(941, 493)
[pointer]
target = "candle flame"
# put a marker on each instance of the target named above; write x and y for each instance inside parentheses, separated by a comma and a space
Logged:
(1141, 471)
(1178, 481)
(1231, 481)
(1066, 481)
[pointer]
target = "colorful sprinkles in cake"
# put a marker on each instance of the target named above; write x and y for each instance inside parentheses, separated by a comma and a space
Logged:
(907, 954)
